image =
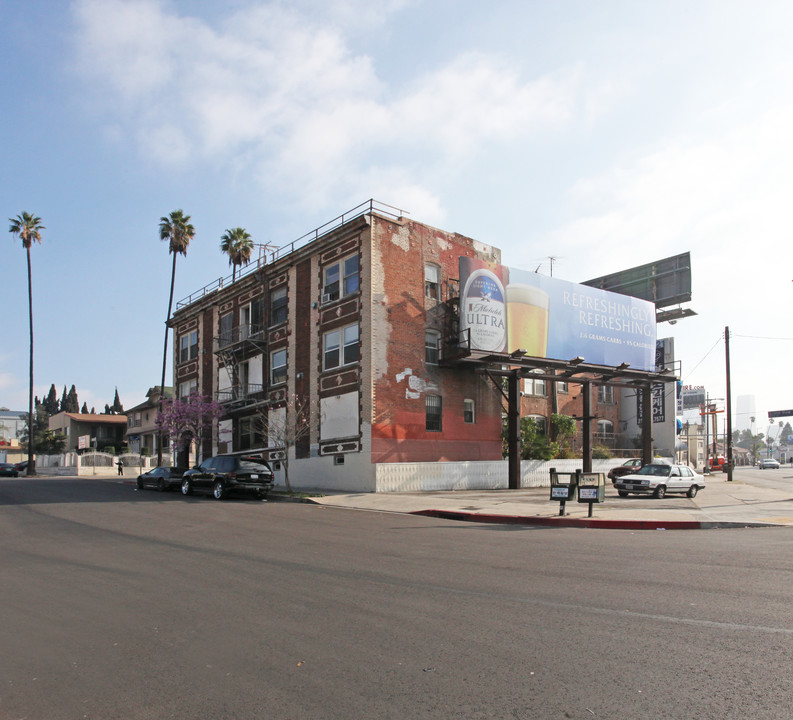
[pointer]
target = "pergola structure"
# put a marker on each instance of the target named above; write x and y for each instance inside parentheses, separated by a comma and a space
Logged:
(517, 365)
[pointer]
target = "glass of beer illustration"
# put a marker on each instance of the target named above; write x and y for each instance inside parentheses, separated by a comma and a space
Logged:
(527, 319)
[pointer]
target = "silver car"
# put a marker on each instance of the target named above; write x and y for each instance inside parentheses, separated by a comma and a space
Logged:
(658, 479)
(769, 463)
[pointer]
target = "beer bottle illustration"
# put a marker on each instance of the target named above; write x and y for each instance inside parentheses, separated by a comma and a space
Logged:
(483, 310)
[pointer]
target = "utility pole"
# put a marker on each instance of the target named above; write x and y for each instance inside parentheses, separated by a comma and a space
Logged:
(728, 439)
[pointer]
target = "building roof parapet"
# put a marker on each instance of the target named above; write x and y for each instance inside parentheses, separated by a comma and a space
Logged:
(368, 207)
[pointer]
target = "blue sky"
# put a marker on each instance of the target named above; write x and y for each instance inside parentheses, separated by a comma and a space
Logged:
(603, 134)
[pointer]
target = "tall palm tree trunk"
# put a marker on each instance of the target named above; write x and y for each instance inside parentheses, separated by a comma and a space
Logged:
(31, 462)
(164, 359)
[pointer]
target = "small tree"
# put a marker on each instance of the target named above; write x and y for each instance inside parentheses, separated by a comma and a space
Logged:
(45, 441)
(71, 403)
(284, 425)
(51, 401)
(186, 419)
(117, 408)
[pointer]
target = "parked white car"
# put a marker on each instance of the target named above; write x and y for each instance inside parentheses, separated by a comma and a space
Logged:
(659, 479)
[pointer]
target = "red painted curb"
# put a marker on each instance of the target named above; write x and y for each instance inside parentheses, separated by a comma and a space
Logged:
(566, 521)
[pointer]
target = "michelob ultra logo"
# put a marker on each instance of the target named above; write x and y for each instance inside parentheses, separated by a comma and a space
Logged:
(484, 314)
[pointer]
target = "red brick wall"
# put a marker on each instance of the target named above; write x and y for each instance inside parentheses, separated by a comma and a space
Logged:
(399, 424)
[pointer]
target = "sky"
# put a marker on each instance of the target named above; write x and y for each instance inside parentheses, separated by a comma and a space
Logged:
(603, 135)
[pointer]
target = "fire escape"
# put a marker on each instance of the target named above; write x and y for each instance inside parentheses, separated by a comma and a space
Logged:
(234, 348)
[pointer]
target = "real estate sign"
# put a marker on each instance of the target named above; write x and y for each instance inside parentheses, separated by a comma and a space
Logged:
(504, 309)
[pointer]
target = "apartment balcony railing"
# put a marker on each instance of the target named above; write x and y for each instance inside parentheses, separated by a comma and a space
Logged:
(239, 335)
(239, 396)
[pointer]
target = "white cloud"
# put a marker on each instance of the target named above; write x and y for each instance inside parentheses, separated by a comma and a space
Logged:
(282, 97)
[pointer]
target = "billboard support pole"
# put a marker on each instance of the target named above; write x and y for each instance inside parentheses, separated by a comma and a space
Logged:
(513, 429)
(647, 423)
(587, 425)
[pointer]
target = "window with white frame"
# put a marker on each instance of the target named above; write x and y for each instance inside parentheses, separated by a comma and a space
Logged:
(432, 343)
(605, 427)
(434, 413)
(469, 411)
(278, 367)
(251, 319)
(562, 387)
(278, 306)
(340, 279)
(533, 386)
(250, 433)
(188, 388)
(606, 394)
(432, 281)
(188, 346)
(340, 347)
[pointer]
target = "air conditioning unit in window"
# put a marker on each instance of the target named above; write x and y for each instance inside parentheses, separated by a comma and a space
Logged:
(328, 297)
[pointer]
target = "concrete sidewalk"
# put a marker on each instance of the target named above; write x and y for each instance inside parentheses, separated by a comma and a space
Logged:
(721, 504)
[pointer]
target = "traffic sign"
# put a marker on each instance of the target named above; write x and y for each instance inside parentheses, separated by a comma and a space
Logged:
(779, 413)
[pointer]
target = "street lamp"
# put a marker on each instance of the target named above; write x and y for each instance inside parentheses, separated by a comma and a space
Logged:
(770, 443)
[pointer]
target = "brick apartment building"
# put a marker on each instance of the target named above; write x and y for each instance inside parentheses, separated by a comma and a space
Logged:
(351, 320)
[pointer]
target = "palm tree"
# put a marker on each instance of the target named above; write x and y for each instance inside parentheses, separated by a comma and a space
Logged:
(237, 243)
(177, 230)
(28, 227)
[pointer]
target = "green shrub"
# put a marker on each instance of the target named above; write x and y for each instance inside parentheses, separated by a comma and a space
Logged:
(600, 452)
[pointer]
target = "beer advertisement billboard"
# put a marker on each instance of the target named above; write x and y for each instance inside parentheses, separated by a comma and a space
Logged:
(504, 309)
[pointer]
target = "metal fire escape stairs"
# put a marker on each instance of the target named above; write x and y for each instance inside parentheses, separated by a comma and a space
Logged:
(232, 350)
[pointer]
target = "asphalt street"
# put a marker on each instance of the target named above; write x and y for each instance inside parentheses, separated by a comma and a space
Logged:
(126, 604)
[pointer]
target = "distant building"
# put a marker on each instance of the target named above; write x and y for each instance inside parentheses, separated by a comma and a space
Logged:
(98, 431)
(12, 423)
(142, 433)
(746, 413)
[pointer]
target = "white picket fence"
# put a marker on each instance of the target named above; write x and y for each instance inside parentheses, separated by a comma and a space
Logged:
(99, 463)
(428, 477)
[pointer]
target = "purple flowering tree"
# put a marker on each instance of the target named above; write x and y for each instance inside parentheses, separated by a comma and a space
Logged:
(188, 418)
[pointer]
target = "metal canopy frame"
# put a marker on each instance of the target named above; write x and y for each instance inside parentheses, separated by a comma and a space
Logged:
(517, 366)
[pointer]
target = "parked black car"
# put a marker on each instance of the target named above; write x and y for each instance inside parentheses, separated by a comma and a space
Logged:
(8, 470)
(162, 478)
(224, 474)
(21, 466)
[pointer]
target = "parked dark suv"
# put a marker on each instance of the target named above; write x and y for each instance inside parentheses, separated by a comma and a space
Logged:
(223, 474)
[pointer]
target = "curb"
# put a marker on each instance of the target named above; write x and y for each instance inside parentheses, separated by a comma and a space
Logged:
(593, 523)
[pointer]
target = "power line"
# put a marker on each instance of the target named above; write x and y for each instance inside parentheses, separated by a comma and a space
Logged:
(760, 337)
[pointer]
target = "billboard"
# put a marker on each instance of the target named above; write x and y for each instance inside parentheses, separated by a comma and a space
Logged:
(664, 282)
(503, 309)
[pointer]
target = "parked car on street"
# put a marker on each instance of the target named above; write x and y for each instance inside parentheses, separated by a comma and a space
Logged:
(162, 478)
(225, 474)
(767, 463)
(628, 467)
(659, 479)
(21, 466)
(8, 470)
